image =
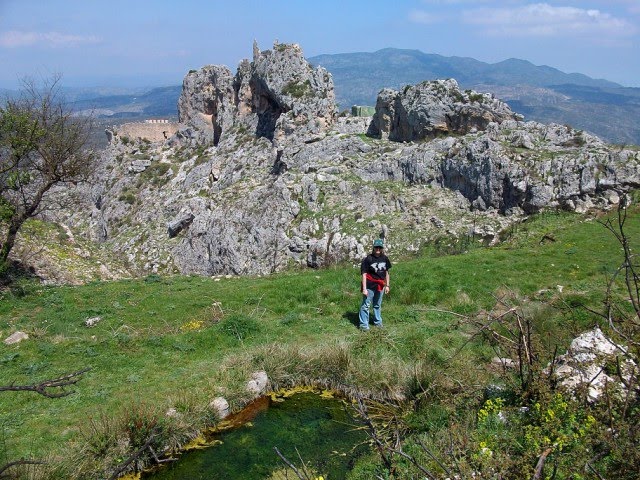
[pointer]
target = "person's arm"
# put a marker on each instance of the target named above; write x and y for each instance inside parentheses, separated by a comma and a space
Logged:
(386, 283)
(364, 284)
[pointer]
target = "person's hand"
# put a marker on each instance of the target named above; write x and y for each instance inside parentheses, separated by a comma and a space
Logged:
(364, 291)
(386, 289)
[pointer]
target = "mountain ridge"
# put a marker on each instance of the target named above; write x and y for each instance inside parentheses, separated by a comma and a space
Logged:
(541, 93)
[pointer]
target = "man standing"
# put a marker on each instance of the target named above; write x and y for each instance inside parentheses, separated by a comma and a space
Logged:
(375, 283)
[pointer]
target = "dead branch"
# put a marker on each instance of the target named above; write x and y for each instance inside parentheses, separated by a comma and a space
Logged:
(289, 464)
(540, 465)
(304, 467)
(160, 460)
(17, 463)
(428, 452)
(373, 433)
(43, 387)
(415, 463)
(449, 312)
(134, 456)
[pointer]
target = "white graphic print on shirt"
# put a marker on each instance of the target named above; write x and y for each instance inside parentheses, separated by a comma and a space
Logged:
(379, 267)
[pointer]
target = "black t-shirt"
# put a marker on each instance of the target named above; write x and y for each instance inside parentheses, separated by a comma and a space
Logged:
(377, 267)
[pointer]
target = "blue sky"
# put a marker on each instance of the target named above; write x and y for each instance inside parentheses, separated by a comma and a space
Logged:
(145, 42)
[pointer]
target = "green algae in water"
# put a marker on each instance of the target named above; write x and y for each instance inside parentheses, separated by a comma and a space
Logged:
(322, 430)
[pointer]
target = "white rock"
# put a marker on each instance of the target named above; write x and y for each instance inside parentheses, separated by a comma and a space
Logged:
(92, 322)
(503, 362)
(220, 406)
(585, 363)
(16, 337)
(258, 383)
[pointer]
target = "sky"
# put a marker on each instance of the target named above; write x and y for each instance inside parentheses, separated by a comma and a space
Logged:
(126, 43)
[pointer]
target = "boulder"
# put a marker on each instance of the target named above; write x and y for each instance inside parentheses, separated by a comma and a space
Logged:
(220, 407)
(587, 364)
(258, 383)
(139, 166)
(15, 337)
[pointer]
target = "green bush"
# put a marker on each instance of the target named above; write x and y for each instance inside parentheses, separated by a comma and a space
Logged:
(297, 89)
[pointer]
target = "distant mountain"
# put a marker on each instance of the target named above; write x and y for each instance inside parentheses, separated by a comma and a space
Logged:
(161, 101)
(540, 93)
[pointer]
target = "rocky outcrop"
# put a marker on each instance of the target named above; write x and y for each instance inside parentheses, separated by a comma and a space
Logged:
(278, 95)
(434, 108)
(590, 362)
(263, 176)
(207, 102)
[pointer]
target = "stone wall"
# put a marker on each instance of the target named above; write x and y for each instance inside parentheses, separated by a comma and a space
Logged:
(154, 131)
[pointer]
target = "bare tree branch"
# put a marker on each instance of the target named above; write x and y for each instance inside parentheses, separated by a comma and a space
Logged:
(537, 474)
(120, 470)
(43, 387)
(289, 464)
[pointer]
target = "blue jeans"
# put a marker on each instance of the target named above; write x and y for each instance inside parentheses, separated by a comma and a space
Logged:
(373, 297)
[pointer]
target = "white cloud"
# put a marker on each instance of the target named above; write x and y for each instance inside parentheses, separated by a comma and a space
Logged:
(453, 2)
(544, 20)
(15, 39)
(422, 17)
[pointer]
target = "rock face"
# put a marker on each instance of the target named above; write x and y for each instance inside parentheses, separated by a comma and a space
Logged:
(207, 102)
(263, 176)
(434, 108)
(275, 96)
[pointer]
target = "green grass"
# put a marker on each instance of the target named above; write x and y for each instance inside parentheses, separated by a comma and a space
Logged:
(160, 337)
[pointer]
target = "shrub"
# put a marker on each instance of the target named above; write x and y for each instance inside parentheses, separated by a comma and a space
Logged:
(297, 89)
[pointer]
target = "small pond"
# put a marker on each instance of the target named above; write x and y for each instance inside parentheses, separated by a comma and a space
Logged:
(322, 429)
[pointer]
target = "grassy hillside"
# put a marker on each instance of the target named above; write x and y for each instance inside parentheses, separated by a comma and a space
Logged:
(181, 341)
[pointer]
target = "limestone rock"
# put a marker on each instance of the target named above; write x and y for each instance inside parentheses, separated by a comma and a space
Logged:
(220, 407)
(15, 337)
(504, 362)
(289, 95)
(138, 166)
(262, 176)
(207, 102)
(92, 322)
(258, 383)
(277, 95)
(180, 223)
(585, 364)
(432, 108)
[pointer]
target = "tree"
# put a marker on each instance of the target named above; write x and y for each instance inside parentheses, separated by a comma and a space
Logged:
(42, 145)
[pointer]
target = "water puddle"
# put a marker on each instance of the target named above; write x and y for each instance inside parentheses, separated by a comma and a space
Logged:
(321, 429)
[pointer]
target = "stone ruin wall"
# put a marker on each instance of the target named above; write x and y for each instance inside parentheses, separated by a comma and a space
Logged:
(152, 130)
